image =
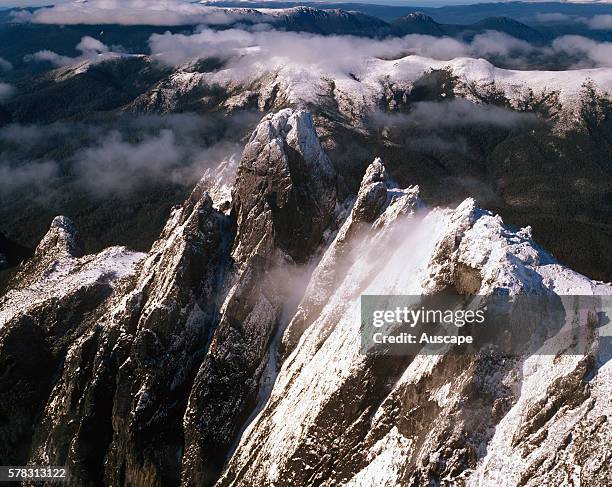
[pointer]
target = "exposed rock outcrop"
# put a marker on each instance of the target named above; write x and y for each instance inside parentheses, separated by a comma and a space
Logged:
(377, 196)
(54, 301)
(285, 190)
(282, 202)
(62, 239)
(426, 419)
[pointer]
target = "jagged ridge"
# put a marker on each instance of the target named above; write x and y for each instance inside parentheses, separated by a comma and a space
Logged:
(156, 370)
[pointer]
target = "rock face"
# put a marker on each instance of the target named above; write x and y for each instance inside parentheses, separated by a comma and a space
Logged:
(338, 417)
(377, 201)
(61, 239)
(285, 191)
(230, 354)
(56, 303)
(284, 198)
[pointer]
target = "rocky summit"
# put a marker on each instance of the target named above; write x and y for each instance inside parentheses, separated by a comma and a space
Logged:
(229, 354)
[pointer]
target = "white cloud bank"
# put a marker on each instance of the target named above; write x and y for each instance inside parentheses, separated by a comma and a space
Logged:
(257, 51)
(596, 22)
(117, 158)
(598, 53)
(131, 12)
(600, 22)
(335, 54)
(91, 50)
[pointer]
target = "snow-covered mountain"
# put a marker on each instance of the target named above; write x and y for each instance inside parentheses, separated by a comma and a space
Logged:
(367, 85)
(229, 354)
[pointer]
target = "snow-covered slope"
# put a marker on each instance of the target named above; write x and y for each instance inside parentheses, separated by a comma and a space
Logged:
(369, 83)
(338, 417)
(61, 272)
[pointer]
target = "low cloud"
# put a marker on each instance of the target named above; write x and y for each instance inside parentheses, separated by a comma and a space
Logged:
(133, 12)
(494, 43)
(119, 166)
(5, 65)
(587, 51)
(118, 158)
(51, 57)
(6, 92)
(454, 113)
(553, 17)
(596, 22)
(275, 48)
(443, 129)
(91, 50)
(600, 22)
(33, 175)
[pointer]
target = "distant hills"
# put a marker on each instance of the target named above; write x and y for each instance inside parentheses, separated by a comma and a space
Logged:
(451, 14)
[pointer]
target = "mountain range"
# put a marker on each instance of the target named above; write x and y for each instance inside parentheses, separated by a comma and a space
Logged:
(18, 39)
(192, 220)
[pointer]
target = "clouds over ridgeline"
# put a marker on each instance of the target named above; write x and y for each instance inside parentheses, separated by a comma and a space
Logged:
(600, 22)
(330, 53)
(587, 52)
(596, 22)
(91, 50)
(248, 51)
(134, 12)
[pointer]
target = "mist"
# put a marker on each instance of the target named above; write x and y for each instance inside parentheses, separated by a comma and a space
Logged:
(130, 12)
(248, 52)
(32, 175)
(118, 166)
(257, 50)
(91, 50)
(454, 113)
(5, 65)
(6, 91)
(118, 158)
(587, 52)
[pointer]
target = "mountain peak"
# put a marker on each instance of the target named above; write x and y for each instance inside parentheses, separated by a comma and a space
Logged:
(417, 23)
(500, 21)
(418, 17)
(63, 239)
(283, 172)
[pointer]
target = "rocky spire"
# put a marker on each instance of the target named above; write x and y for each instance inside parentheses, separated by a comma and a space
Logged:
(379, 202)
(285, 191)
(283, 200)
(62, 240)
(377, 194)
(174, 309)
